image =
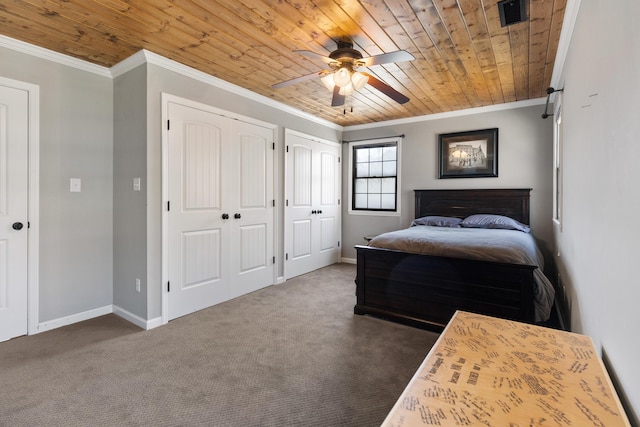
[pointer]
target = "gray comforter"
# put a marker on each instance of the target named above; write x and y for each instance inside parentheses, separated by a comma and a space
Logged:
(509, 246)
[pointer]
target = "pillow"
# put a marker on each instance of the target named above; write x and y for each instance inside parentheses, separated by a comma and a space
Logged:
(438, 221)
(493, 221)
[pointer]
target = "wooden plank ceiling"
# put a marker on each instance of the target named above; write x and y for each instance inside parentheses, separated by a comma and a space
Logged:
(464, 57)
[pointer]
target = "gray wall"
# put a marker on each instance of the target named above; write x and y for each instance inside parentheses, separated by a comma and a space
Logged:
(598, 243)
(525, 160)
(76, 141)
(130, 207)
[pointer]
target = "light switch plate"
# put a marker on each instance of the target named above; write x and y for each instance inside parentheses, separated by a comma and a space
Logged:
(75, 185)
(136, 184)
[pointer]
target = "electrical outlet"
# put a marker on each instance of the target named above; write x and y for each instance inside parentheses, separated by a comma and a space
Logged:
(137, 285)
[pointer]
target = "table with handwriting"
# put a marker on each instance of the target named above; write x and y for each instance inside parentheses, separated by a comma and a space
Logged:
(485, 371)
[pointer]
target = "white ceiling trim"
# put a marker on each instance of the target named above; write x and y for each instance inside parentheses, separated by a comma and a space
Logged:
(50, 55)
(450, 114)
(169, 64)
(568, 24)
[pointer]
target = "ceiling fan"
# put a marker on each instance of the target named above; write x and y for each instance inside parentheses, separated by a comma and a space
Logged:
(344, 77)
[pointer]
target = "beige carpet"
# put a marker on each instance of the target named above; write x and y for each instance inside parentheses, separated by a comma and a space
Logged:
(288, 355)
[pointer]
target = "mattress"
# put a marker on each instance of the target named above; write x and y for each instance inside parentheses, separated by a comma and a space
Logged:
(508, 246)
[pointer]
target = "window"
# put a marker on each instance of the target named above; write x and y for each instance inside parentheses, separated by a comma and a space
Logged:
(557, 159)
(374, 178)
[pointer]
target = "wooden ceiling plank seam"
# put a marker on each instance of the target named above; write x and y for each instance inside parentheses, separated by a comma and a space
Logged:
(501, 50)
(519, 40)
(425, 92)
(371, 38)
(197, 40)
(172, 44)
(559, 8)
(433, 63)
(452, 14)
(121, 41)
(300, 57)
(50, 25)
(249, 78)
(473, 16)
(285, 20)
(539, 26)
(433, 25)
(235, 42)
(223, 17)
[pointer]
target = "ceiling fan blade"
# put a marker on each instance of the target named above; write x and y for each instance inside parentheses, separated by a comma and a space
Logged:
(337, 99)
(298, 80)
(315, 55)
(387, 90)
(385, 58)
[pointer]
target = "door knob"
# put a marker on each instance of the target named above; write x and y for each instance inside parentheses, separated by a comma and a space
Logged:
(225, 216)
(17, 226)
(237, 216)
(314, 212)
(319, 212)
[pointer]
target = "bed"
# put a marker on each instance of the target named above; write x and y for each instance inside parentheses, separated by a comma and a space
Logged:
(425, 290)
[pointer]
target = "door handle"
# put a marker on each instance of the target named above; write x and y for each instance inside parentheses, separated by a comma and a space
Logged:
(237, 216)
(17, 226)
(225, 216)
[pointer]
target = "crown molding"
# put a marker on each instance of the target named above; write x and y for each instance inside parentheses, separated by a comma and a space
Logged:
(450, 114)
(145, 56)
(50, 55)
(171, 65)
(568, 25)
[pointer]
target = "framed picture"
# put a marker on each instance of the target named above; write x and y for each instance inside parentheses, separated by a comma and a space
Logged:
(472, 154)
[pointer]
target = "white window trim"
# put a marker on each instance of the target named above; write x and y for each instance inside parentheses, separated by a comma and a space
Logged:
(557, 164)
(398, 142)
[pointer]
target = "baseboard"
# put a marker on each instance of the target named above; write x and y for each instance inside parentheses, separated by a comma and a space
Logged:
(349, 260)
(74, 318)
(137, 320)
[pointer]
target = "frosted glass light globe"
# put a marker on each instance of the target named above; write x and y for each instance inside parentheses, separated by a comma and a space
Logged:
(359, 80)
(342, 77)
(346, 90)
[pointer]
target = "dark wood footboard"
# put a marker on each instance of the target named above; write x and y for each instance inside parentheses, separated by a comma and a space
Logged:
(425, 290)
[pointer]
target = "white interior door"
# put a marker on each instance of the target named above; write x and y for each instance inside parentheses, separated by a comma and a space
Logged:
(221, 213)
(253, 213)
(197, 233)
(14, 134)
(312, 211)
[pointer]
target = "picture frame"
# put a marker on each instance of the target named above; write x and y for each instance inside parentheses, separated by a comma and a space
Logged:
(470, 154)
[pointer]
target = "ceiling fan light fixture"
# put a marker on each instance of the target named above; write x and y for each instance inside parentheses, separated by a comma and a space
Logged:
(327, 81)
(358, 80)
(347, 89)
(342, 77)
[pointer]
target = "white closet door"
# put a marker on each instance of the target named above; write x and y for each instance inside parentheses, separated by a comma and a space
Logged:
(312, 211)
(252, 217)
(14, 133)
(220, 220)
(198, 235)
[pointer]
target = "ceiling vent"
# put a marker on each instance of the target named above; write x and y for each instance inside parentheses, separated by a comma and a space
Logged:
(512, 12)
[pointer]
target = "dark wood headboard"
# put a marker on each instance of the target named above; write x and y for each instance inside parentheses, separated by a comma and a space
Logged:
(513, 203)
